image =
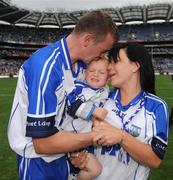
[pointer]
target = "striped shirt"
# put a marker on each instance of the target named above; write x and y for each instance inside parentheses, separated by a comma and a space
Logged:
(146, 119)
(45, 80)
(81, 119)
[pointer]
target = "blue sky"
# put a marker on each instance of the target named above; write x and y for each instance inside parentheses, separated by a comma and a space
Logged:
(60, 5)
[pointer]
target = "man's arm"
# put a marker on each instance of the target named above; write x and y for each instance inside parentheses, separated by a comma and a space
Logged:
(62, 142)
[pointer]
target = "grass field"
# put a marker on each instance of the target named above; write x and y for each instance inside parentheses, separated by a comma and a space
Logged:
(8, 169)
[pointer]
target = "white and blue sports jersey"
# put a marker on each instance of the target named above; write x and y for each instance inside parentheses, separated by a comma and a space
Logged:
(81, 111)
(44, 82)
(145, 118)
(38, 169)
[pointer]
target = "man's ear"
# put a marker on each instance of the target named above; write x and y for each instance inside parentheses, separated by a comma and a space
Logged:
(88, 38)
(135, 66)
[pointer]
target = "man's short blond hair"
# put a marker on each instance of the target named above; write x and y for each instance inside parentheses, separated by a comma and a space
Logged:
(97, 23)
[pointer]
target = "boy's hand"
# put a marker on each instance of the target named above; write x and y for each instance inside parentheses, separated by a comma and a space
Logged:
(79, 159)
(100, 113)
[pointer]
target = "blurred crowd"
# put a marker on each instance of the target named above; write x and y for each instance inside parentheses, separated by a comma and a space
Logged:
(11, 56)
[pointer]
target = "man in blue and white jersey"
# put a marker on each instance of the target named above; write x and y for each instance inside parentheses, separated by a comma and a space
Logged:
(45, 80)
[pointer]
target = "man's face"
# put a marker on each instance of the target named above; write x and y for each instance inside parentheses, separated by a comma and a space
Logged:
(96, 50)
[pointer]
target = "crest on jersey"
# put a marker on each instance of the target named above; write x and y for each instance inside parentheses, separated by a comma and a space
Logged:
(135, 130)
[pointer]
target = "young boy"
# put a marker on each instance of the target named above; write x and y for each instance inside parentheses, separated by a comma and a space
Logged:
(84, 103)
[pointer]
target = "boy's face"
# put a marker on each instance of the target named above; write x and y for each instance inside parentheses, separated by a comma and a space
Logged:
(97, 73)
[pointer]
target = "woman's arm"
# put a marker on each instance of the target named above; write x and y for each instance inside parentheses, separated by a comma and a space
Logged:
(138, 150)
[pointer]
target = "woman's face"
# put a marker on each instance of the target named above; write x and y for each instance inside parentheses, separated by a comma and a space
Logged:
(122, 71)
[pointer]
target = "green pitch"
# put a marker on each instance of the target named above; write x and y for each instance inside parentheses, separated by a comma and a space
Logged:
(8, 169)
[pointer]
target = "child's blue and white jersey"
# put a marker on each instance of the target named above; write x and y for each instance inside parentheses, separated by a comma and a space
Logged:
(44, 82)
(145, 118)
(90, 97)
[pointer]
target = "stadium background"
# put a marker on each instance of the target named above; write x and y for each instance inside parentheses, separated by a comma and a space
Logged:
(23, 31)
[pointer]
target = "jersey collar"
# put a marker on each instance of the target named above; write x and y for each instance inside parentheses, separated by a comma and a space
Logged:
(134, 101)
(67, 59)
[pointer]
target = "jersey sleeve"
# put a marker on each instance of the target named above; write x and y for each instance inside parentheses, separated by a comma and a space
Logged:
(43, 80)
(78, 107)
(160, 139)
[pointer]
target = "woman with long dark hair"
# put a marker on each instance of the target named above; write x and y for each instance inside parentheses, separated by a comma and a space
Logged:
(134, 136)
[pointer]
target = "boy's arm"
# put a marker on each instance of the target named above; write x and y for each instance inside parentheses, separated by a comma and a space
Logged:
(86, 110)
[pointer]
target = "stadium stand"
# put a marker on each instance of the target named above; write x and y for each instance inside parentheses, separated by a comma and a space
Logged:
(22, 32)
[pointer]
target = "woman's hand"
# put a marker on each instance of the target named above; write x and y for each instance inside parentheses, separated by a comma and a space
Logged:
(79, 159)
(107, 134)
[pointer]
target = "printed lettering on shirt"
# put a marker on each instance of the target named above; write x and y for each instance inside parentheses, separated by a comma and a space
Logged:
(110, 150)
(123, 157)
(116, 150)
(38, 123)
